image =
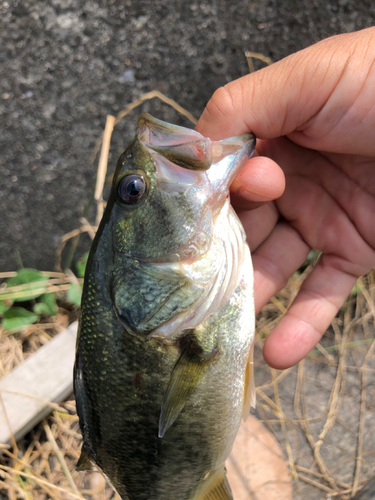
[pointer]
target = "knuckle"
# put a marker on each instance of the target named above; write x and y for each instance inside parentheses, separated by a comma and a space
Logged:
(221, 103)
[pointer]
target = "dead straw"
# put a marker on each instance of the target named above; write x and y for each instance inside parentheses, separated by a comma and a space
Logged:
(61, 459)
(85, 228)
(102, 167)
(41, 481)
(249, 57)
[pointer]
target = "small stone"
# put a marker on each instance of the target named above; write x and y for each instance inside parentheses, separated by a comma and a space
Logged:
(128, 76)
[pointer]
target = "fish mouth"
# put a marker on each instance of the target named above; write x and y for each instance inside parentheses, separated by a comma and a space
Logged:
(179, 145)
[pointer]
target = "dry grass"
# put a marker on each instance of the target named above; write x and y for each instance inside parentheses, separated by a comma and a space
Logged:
(15, 348)
(319, 411)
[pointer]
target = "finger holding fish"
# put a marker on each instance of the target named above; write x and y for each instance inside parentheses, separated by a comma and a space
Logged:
(260, 181)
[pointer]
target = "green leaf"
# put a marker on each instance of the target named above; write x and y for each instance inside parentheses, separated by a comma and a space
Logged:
(48, 299)
(5, 305)
(47, 305)
(30, 277)
(18, 317)
(74, 294)
(41, 309)
(81, 265)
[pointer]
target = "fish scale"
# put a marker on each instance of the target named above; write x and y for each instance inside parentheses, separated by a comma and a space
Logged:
(163, 363)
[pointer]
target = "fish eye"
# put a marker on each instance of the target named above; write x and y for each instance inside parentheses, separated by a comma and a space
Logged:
(131, 189)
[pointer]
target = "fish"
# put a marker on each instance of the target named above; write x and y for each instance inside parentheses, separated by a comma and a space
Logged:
(163, 371)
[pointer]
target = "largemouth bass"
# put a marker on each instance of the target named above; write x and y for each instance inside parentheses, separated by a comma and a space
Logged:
(163, 362)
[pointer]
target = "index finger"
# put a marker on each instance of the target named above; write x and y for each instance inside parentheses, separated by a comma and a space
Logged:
(282, 98)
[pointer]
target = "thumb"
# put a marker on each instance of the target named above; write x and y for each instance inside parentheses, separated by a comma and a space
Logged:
(284, 97)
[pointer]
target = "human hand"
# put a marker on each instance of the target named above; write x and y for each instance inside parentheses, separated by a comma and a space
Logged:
(314, 116)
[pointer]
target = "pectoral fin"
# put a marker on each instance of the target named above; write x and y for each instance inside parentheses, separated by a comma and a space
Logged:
(185, 377)
(215, 487)
(250, 394)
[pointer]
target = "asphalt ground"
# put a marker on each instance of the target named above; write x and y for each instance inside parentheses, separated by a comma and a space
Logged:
(66, 64)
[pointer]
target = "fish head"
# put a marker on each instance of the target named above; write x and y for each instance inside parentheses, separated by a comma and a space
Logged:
(167, 187)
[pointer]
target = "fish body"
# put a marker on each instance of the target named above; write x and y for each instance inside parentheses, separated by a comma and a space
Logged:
(163, 359)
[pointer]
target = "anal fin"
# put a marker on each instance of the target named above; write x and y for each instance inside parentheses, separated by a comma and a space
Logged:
(215, 487)
(249, 389)
(185, 377)
(84, 463)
